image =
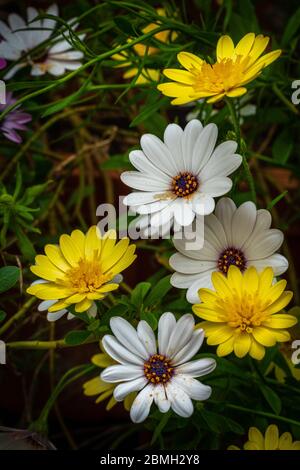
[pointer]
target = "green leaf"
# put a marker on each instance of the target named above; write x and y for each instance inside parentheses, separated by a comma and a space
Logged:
(139, 293)
(115, 311)
(124, 25)
(159, 428)
(2, 315)
(150, 318)
(271, 398)
(291, 28)
(32, 193)
(148, 111)
(9, 275)
(25, 244)
(158, 292)
(74, 338)
(283, 146)
(276, 200)
(117, 162)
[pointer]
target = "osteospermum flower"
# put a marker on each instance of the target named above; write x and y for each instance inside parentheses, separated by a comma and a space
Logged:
(232, 236)
(80, 270)
(141, 50)
(235, 67)
(179, 178)
(162, 374)
(241, 315)
(271, 440)
(14, 121)
(22, 37)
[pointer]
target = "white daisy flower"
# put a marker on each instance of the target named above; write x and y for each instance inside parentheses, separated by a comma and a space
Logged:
(162, 374)
(21, 36)
(179, 178)
(239, 236)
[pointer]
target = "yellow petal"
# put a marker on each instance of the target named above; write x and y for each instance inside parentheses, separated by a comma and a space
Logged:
(102, 360)
(271, 437)
(295, 445)
(220, 284)
(70, 250)
(49, 291)
(258, 47)
(222, 334)
(175, 89)
(264, 336)
(241, 345)
(251, 446)
(83, 306)
(124, 262)
(216, 98)
(75, 298)
(236, 92)
(265, 279)
(108, 259)
(207, 313)
(48, 273)
(257, 351)
(225, 48)
(285, 441)
(244, 46)
(92, 243)
(180, 76)
(251, 280)
(207, 295)
(79, 238)
(190, 61)
(129, 400)
(256, 436)
(59, 305)
(56, 257)
(280, 303)
(112, 402)
(281, 320)
(95, 386)
(108, 288)
(225, 348)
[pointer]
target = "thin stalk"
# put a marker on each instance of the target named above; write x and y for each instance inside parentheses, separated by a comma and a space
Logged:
(16, 317)
(263, 413)
(56, 344)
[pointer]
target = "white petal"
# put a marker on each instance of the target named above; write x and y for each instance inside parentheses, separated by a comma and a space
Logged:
(166, 325)
(127, 336)
(61, 46)
(225, 209)
(187, 265)
(184, 214)
(181, 334)
(122, 390)
(216, 186)
(53, 316)
(262, 224)
(7, 51)
(119, 353)
(197, 368)
(67, 56)
(159, 154)
(164, 216)
(277, 262)
(181, 403)
(121, 373)
(147, 337)
(243, 222)
(190, 349)
(138, 198)
(151, 208)
(160, 398)
(207, 253)
(192, 387)
(17, 23)
(203, 281)
(214, 231)
(45, 305)
(142, 182)
(191, 133)
(141, 406)
(264, 244)
(139, 160)
(183, 281)
(55, 68)
(204, 147)
(172, 137)
(203, 204)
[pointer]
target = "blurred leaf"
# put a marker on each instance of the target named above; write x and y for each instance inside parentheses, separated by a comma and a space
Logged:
(2, 315)
(117, 162)
(148, 111)
(160, 427)
(291, 28)
(74, 338)
(276, 200)
(9, 275)
(150, 318)
(271, 397)
(25, 244)
(124, 25)
(31, 193)
(283, 146)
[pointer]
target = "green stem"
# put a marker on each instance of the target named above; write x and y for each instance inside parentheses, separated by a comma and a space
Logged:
(17, 315)
(40, 425)
(56, 344)
(263, 413)
(284, 99)
(249, 178)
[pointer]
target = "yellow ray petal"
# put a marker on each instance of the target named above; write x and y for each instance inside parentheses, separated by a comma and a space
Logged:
(216, 98)
(50, 274)
(93, 243)
(244, 46)
(257, 351)
(56, 257)
(102, 360)
(180, 76)
(225, 48)
(108, 259)
(69, 249)
(220, 335)
(189, 61)
(83, 306)
(281, 320)
(175, 89)
(258, 47)
(242, 344)
(236, 92)
(79, 238)
(264, 336)
(225, 348)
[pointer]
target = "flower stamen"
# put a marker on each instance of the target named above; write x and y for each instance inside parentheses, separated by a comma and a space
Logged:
(158, 369)
(184, 184)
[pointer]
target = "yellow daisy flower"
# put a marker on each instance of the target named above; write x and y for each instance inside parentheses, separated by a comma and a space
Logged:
(242, 314)
(141, 50)
(235, 67)
(105, 390)
(81, 269)
(270, 441)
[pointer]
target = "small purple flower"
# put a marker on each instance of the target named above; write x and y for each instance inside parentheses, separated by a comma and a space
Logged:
(13, 121)
(2, 63)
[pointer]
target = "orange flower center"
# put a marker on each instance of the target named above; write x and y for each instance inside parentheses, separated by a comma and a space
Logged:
(87, 276)
(184, 184)
(158, 369)
(231, 256)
